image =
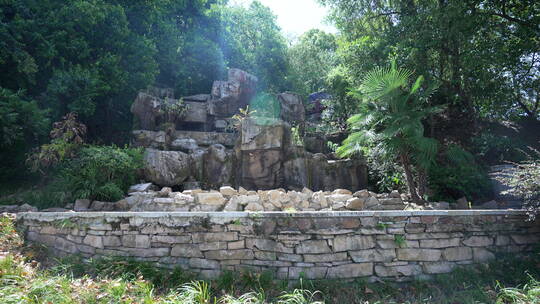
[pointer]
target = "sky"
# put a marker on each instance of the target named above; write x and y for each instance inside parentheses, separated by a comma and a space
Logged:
(296, 16)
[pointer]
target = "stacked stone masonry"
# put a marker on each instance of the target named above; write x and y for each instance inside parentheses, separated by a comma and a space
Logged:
(316, 245)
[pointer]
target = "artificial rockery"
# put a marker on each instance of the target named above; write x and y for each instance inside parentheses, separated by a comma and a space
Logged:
(212, 140)
(207, 141)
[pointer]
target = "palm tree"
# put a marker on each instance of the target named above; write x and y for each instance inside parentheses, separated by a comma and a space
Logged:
(391, 115)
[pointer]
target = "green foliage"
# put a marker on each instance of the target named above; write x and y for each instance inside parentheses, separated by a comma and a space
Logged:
(296, 135)
(391, 119)
(93, 56)
(102, 172)
(462, 44)
(22, 124)
(528, 293)
(458, 174)
(524, 183)
(250, 39)
(342, 104)
(265, 105)
(311, 58)
(400, 240)
(67, 136)
(332, 146)
(496, 149)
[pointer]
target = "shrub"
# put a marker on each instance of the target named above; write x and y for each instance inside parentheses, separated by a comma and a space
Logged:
(102, 172)
(457, 174)
(525, 183)
(496, 149)
(67, 136)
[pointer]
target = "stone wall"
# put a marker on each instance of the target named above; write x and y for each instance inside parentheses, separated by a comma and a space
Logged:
(386, 244)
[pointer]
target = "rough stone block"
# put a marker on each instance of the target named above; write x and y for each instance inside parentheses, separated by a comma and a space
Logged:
(240, 254)
(210, 198)
(111, 241)
(212, 246)
(268, 245)
(356, 242)
(265, 255)
(202, 237)
(373, 255)
(408, 254)
(289, 257)
(93, 241)
(438, 267)
(391, 243)
(313, 246)
(478, 241)
(236, 245)
(136, 241)
(147, 252)
(440, 243)
(457, 254)
(329, 257)
(203, 263)
(350, 271)
(522, 239)
(396, 271)
(307, 272)
(186, 251)
(65, 245)
(82, 204)
(228, 191)
(171, 239)
(482, 255)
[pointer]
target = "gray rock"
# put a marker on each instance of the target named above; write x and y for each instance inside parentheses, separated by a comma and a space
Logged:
(356, 242)
(142, 187)
(82, 204)
(373, 255)
(478, 241)
(355, 204)
(482, 255)
(210, 198)
(350, 271)
(254, 207)
(413, 254)
(186, 250)
(313, 246)
(457, 254)
(438, 267)
(397, 271)
(184, 144)
(166, 168)
(292, 108)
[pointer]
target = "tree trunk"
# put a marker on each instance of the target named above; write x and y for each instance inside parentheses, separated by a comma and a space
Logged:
(422, 183)
(410, 179)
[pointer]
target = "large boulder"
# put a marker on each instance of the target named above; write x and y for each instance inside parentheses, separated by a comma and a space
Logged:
(149, 139)
(229, 96)
(261, 169)
(260, 153)
(292, 108)
(147, 108)
(166, 168)
(263, 133)
(295, 173)
(328, 174)
(217, 166)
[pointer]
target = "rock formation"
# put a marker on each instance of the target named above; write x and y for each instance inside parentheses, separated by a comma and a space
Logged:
(194, 142)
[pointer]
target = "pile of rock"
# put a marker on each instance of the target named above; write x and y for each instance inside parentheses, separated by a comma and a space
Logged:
(17, 208)
(144, 197)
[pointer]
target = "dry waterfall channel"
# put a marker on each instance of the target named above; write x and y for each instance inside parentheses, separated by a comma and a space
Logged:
(313, 244)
